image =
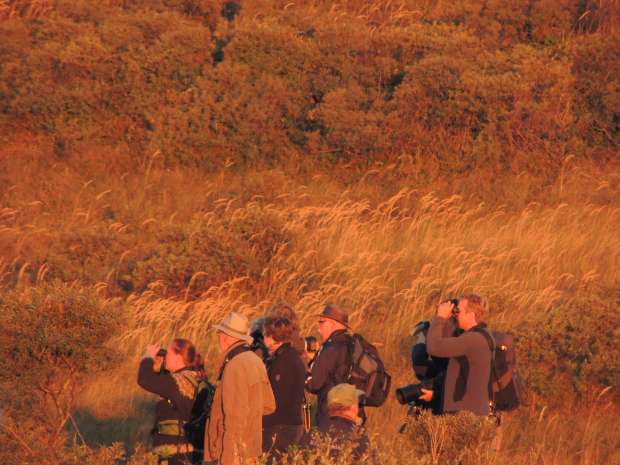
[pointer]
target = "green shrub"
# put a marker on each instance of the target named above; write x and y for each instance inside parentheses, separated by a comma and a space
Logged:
(52, 336)
(574, 348)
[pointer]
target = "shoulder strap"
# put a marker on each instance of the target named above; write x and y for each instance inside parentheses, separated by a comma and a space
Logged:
(487, 337)
(194, 382)
(232, 354)
(350, 350)
(491, 342)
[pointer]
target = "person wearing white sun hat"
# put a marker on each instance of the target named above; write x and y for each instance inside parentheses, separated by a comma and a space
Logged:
(243, 395)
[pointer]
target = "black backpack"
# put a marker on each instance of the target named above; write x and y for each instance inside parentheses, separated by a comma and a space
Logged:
(367, 371)
(504, 386)
(201, 410)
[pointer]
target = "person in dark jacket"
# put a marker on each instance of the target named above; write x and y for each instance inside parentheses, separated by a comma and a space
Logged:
(466, 384)
(279, 310)
(332, 363)
(173, 374)
(282, 310)
(342, 431)
(429, 369)
(287, 374)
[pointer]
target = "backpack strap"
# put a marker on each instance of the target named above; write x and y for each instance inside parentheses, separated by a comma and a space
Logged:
(494, 380)
(232, 354)
(350, 350)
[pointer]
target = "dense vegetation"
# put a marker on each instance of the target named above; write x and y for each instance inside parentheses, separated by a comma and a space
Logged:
(163, 162)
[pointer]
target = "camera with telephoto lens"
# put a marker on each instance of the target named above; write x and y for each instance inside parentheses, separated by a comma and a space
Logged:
(411, 393)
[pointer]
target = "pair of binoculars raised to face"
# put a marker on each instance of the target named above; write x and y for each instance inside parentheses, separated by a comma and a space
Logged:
(455, 309)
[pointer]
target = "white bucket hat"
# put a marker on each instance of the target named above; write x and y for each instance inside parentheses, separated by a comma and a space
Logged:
(235, 325)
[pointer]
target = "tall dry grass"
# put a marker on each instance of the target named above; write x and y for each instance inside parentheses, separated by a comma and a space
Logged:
(389, 260)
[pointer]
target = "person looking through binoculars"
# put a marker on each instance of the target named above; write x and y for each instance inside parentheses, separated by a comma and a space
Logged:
(466, 385)
(172, 373)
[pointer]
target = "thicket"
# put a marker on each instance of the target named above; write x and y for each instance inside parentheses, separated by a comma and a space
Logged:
(575, 344)
(500, 86)
(52, 336)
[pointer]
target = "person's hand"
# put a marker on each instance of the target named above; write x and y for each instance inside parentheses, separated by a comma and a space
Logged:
(152, 349)
(445, 310)
(427, 394)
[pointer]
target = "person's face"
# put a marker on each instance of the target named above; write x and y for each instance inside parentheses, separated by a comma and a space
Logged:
(270, 343)
(464, 317)
(326, 328)
(222, 342)
(174, 361)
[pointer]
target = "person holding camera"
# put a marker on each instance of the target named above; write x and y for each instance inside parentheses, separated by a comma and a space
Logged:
(287, 374)
(466, 384)
(174, 374)
(311, 348)
(430, 371)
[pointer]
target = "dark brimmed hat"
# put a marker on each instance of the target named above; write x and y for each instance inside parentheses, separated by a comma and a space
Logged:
(334, 313)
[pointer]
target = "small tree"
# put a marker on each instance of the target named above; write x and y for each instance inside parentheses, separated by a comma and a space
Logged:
(51, 336)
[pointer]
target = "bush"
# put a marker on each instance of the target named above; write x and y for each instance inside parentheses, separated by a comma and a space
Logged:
(577, 342)
(52, 336)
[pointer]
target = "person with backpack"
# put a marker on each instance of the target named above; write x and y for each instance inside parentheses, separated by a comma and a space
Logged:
(345, 358)
(331, 365)
(287, 374)
(466, 383)
(242, 396)
(173, 374)
(430, 371)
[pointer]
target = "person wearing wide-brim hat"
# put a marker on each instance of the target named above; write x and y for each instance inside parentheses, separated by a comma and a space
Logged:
(236, 326)
(331, 366)
(243, 395)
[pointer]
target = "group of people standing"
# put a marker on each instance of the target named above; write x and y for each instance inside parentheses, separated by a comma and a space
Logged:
(266, 373)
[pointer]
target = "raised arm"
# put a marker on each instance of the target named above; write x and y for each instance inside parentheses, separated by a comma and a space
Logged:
(157, 383)
(440, 346)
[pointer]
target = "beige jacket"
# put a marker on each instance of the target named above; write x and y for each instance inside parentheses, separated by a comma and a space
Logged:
(233, 434)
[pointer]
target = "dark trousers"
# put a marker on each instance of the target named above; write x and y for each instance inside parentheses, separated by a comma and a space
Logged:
(277, 438)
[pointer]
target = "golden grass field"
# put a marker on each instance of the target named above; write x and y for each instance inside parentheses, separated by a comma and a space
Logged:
(388, 260)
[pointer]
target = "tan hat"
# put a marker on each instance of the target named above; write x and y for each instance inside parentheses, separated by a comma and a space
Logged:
(235, 325)
(343, 394)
